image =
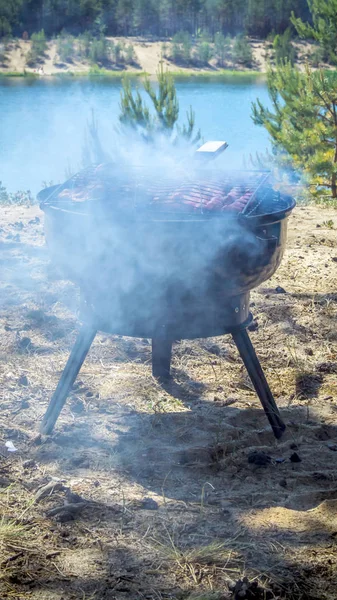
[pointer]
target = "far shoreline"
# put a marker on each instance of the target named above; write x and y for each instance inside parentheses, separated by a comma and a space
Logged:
(148, 56)
(118, 75)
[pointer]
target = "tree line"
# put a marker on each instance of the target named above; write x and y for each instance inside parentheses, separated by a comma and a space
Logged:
(161, 18)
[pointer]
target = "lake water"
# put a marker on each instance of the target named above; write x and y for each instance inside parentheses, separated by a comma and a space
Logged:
(43, 123)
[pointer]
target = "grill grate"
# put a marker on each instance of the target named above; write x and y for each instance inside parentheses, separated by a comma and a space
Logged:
(244, 192)
(235, 191)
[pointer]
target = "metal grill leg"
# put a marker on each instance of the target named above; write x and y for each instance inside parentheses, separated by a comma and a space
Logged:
(252, 364)
(71, 370)
(161, 358)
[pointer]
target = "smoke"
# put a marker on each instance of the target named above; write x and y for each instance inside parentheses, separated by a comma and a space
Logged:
(43, 123)
(141, 272)
(150, 274)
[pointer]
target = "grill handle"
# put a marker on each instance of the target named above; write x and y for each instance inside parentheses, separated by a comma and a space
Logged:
(269, 244)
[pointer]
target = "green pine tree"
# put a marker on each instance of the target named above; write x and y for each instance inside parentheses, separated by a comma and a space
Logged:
(163, 120)
(222, 48)
(283, 48)
(324, 27)
(242, 51)
(302, 122)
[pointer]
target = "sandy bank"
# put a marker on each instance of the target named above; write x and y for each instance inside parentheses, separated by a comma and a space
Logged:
(148, 57)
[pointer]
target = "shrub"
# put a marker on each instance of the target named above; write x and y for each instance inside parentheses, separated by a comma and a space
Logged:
(65, 47)
(205, 36)
(176, 53)
(222, 48)
(204, 53)
(39, 43)
(164, 50)
(3, 56)
(130, 55)
(117, 52)
(283, 48)
(317, 57)
(38, 48)
(242, 52)
(270, 38)
(84, 42)
(181, 47)
(99, 51)
(20, 197)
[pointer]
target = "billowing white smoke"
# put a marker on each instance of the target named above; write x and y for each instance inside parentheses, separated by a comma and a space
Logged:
(147, 271)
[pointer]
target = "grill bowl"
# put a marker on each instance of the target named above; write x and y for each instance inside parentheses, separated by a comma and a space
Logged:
(145, 272)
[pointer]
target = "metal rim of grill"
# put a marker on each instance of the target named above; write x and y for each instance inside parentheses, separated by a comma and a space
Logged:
(147, 198)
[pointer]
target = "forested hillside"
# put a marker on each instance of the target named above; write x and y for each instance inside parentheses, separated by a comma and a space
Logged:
(149, 17)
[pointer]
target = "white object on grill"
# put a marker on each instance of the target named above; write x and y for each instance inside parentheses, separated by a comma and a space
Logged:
(211, 149)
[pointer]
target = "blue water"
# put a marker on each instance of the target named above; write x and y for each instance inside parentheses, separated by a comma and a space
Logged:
(43, 123)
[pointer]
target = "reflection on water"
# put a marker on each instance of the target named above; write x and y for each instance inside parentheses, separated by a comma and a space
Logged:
(43, 122)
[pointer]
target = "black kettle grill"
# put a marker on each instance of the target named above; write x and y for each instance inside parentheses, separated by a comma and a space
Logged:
(151, 270)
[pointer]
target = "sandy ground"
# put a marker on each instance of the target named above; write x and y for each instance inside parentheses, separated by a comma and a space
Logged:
(149, 55)
(164, 502)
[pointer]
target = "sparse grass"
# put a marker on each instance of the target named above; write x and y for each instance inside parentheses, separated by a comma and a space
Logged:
(329, 224)
(12, 534)
(300, 362)
(192, 560)
(18, 74)
(205, 596)
(133, 414)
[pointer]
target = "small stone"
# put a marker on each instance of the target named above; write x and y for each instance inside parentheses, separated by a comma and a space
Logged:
(317, 476)
(25, 343)
(23, 380)
(258, 458)
(80, 461)
(77, 406)
(214, 349)
(334, 258)
(327, 367)
(280, 290)
(149, 504)
(18, 225)
(295, 458)
(4, 482)
(229, 401)
(283, 483)
(36, 440)
(28, 464)
(332, 447)
(72, 497)
(293, 446)
(34, 221)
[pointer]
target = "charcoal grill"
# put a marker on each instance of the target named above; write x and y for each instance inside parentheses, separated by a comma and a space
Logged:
(152, 261)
